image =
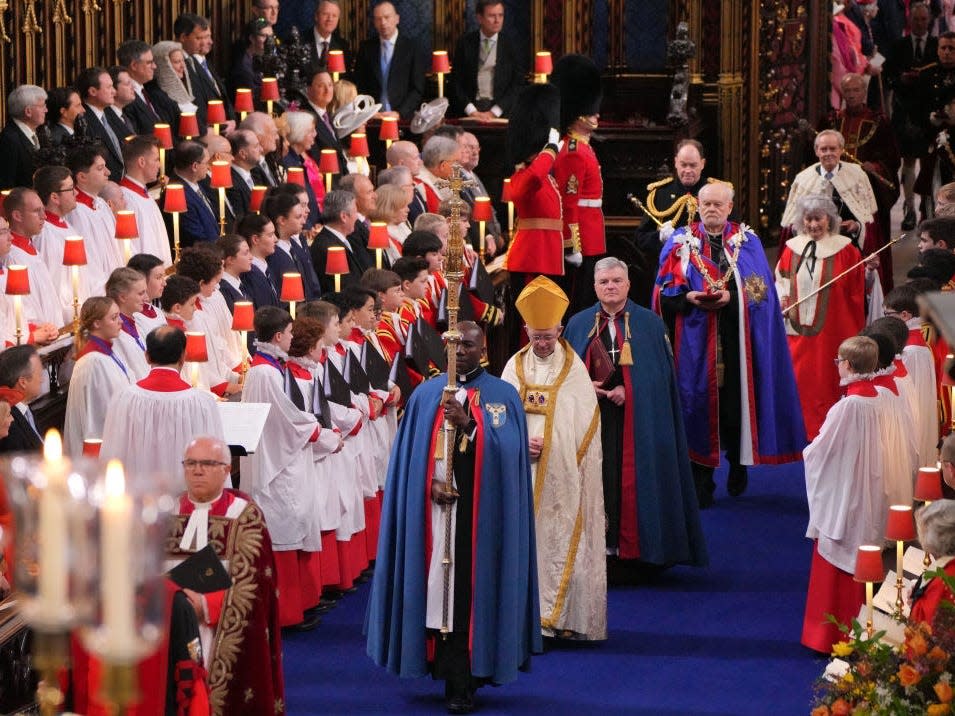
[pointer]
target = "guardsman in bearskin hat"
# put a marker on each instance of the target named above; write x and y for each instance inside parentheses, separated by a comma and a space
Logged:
(577, 172)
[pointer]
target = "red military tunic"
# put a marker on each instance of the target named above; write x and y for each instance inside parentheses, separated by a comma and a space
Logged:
(577, 172)
(538, 244)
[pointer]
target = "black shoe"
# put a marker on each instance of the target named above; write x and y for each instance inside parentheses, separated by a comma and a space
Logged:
(460, 704)
(908, 220)
(307, 624)
(737, 481)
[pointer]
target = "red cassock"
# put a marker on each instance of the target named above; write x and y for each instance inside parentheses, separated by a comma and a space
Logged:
(538, 244)
(823, 323)
(936, 591)
(581, 186)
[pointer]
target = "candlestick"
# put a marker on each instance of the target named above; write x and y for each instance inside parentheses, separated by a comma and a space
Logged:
(900, 528)
(243, 102)
(221, 211)
(440, 66)
(53, 591)
(336, 63)
(543, 66)
(18, 316)
(116, 580)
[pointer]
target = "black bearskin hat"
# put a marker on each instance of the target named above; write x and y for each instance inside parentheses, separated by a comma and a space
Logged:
(578, 80)
(535, 112)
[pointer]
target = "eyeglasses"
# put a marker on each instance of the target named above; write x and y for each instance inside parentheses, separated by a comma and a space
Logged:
(67, 190)
(890, 312)
(837, 361)
(203, 464)
(542, 339)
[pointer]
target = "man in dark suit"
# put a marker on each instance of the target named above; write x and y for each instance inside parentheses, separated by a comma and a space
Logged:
(319, 92)
(325, 35)
(21, 374)
(486, 70)
(288, 216)
(148, 109)
(389, 67)
(26, 107)
(339, 215)
(95, 86)
(199, 222)
(246, 153)
(259, 231)
(900, 73)
(365, 199)
(194, 33)
(263, 126)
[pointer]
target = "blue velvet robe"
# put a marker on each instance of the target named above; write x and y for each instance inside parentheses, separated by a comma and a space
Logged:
(505, 619)
(667, 513)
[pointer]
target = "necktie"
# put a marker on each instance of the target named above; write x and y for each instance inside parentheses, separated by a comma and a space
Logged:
(111, 135)
(144, 98)
(485, 50)
(29, 416)
(918, 49)
(385, 66)
(828, 176)
(323, 55)
(205, 68)
(35, 141)
(328, 122)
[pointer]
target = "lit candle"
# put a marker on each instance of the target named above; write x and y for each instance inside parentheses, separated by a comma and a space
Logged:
(75, 272)
(54, 540)
(116, 577)
(18, 316)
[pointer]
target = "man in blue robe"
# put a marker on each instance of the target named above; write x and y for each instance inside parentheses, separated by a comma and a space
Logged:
(717, 296)
(492, 613)
(652, 514)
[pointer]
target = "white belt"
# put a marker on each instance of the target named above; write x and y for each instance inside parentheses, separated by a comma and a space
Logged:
(595, 203)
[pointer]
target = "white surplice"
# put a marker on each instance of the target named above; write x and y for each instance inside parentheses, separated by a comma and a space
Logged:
(96, 379)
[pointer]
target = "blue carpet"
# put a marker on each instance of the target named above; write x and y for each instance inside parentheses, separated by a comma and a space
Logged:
(719, 640)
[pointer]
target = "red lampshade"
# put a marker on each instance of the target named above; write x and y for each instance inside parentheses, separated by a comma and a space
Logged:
(163, 132)
(196, 351)
(126, 225)
(295, 175)
(18, 281)
(543, 65)
(221, 175)
(359, 145)
(869, 564)
(174, 201)
(188, 125)
(482, 209)
(900, 526)
(215, 112)
(328, 163)
(336, 61)
(439, 61)
(270, 89)
(243, 100)
(258, 194)
(336, 262)
(74, 251)
(928, 485)
(506, 194)
(389, 128)
(378, 235)
(243, 313)
(292, 287)
(91, 447)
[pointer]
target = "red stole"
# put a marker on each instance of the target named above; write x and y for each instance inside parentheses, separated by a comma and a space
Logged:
(56, 220)
(85, 199)
(24, 243)
(163, 380)
(134, 187)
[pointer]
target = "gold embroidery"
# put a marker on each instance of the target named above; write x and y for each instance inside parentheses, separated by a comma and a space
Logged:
(249, 694)
(279, 706)
(588, 436)
(572, 184)
(548, 412)
(755, 287)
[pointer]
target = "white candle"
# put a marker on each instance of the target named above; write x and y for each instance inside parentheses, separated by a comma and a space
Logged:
(53, 584)
(18, 315)
(481, 232)
(75, 271)
(116, 572)
(510, 217)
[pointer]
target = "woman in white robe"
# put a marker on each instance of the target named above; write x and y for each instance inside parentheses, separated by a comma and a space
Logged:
(128, 289)
(98, 375)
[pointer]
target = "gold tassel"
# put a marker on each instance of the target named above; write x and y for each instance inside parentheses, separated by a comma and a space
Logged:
(593, 331)
(626, 354)
(439, 453)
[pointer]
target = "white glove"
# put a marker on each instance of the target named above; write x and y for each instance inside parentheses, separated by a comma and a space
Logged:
(666, 231)
(553, 137)
(574, 259)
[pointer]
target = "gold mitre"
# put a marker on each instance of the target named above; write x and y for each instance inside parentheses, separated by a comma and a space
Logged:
(542, 304)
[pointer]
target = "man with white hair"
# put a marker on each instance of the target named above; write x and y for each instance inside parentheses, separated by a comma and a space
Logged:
(26, 110)
(716, 293)
(404, 173)
(238, 626)
(263, 126)
(438, 156)
(847, 184)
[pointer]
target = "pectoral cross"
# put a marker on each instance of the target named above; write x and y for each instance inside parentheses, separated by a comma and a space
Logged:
(614, 352)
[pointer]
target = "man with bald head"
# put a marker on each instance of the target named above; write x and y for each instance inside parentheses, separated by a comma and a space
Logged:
(263, 126)
(389, 66)
(238, 627)
(716, 293)
(490, 611)
(405, 154)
